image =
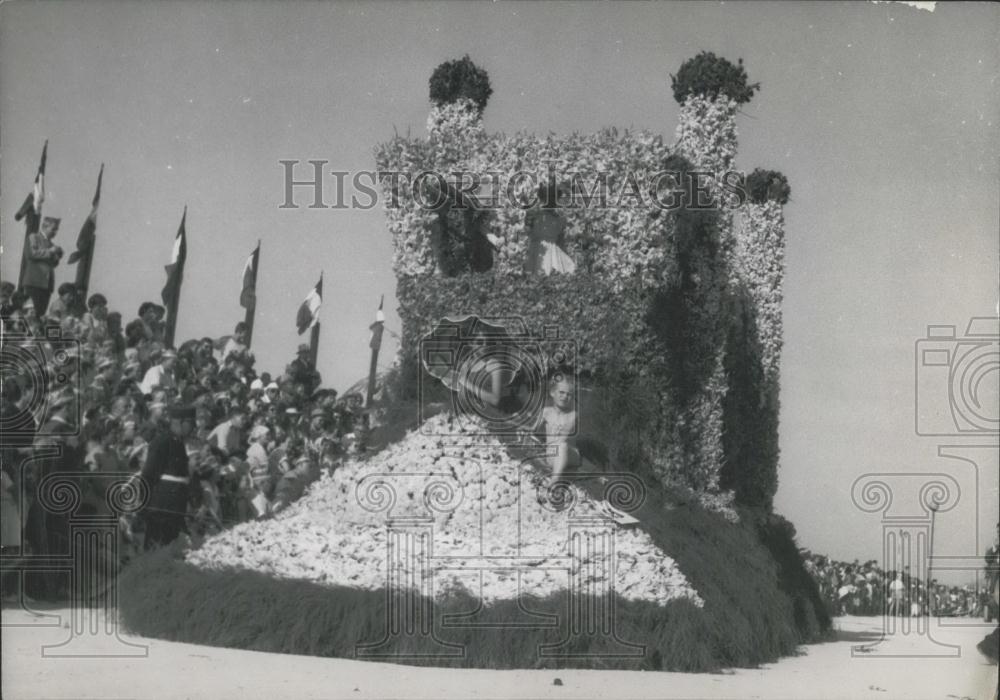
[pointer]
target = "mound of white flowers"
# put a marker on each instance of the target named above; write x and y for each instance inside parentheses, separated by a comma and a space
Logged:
(447, 508)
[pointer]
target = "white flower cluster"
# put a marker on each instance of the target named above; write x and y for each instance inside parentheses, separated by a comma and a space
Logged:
(706, 132)
(626, 238)
(447, 509)
(412, 253)
(721, 503)
(455, 120)
(760, 254)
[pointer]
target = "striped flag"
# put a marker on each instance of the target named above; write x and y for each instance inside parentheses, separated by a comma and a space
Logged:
(171, 293)
(248, 293)
(32, 206)
(31, 211)
(84, 253)
(308, 314)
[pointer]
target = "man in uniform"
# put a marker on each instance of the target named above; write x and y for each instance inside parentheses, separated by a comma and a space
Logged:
(56, 452)
(39, 272)
(167, 476)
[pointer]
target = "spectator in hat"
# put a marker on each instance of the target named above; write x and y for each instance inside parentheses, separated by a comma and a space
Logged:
(298, 471)
(115, 335)
(323, 442)
(203, 422)
(257, 461)
(237, 343)
(135, 341)
(301, 371)
(228, 435)
(147, 316)
(101, 436)
(255, 396)
(42, 259)
(7, 308)
(270, 393)
(94, 324)
(24, 320)
(167, 474)
(134, 446)
(207, 490)
(897, 590)
(160, 375)
(65, 302)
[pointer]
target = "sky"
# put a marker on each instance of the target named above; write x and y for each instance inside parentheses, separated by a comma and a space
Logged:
(883, 116)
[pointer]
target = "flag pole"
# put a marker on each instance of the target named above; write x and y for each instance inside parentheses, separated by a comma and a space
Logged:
(376, 344)
(314, 345)
(31, 211)
(173, 303)
(252, 308)
(86, 261)
(314, 337)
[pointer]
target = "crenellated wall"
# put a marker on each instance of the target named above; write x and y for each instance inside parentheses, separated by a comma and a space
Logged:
(685, 301)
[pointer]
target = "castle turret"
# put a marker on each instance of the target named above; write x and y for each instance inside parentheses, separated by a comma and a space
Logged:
(709, 90)
(754, 342)
(645, 307)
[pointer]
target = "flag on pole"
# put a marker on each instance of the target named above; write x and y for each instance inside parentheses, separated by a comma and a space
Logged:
(31, 211)
(308, 314)
(84, 253)
(248, 293)
(85, 240)
(32, 207)
(171, 293)
(375, 341)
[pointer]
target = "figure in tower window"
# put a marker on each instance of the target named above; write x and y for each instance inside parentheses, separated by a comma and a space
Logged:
(458, 233)
(546, 229)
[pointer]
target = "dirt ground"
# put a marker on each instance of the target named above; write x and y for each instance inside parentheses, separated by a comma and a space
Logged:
(903, 666)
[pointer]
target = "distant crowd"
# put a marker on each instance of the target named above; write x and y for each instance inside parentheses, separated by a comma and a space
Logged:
(865, 589)
(215, 440)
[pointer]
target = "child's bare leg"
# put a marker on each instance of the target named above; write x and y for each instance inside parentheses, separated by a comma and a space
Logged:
(560, 461)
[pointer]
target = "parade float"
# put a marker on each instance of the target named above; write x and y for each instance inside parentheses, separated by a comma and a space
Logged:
(436, 548)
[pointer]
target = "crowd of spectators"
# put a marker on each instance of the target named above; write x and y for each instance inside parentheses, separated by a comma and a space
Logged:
(863, 588)
(84, 393)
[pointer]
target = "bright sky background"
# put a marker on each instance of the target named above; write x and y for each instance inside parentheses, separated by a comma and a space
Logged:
(884, 118)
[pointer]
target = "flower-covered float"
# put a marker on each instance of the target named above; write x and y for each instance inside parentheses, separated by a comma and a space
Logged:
(479, 509)
(437, 549)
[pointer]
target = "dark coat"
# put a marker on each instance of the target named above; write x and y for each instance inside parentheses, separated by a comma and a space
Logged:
(42, 259)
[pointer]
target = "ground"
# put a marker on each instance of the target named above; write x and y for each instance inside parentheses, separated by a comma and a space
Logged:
(173, 670)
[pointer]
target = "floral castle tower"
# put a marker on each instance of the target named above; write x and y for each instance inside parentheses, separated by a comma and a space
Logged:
(673, 313)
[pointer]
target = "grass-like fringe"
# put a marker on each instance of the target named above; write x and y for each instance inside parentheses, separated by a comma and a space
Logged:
(754, 611)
